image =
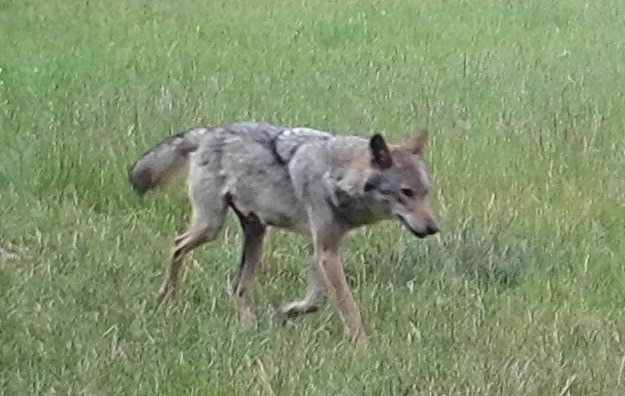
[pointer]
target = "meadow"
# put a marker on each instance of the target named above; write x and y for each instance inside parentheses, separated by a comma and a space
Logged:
(521, 294)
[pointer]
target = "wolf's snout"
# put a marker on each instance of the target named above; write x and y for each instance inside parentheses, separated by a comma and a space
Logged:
(431, 228)
(420, 230)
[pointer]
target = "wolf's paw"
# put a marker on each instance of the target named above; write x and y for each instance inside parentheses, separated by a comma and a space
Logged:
(292, 310)
(165, 294)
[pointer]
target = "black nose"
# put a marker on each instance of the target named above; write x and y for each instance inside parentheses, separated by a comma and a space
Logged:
(432, 229)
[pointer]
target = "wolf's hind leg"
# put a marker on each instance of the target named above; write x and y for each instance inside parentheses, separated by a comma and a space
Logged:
(209, 211)
(253, 234)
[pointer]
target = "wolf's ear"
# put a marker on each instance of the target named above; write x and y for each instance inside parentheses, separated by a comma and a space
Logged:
(416, 144)
(380, 153)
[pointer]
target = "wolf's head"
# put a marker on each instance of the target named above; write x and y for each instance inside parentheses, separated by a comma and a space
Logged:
(400, 180)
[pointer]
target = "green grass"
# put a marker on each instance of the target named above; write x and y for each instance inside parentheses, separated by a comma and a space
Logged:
(522, 293)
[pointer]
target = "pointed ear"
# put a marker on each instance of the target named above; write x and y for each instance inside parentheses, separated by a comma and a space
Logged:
(416, 144)
(380, 153)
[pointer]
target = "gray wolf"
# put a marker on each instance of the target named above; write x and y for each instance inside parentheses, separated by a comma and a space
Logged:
(300, 179)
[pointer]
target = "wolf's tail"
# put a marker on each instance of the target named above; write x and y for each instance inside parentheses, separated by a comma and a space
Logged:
(164, 161)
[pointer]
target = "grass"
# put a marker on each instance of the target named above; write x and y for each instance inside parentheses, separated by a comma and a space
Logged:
(522, 293)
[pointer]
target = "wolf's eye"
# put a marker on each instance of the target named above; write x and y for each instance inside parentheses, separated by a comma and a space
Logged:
(407, 192)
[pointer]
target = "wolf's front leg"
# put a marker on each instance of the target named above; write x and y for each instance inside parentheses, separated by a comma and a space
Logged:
(315, 295)
(328, 263)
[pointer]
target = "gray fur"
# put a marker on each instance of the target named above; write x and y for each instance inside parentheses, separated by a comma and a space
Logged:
(161, 162)
(299, 179)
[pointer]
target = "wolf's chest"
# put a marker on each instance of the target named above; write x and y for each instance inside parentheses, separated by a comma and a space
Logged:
(356, 210)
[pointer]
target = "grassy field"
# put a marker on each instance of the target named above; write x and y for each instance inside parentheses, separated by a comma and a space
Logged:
(521, 294)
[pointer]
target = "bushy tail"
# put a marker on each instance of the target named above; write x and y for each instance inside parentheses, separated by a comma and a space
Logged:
(164, 161)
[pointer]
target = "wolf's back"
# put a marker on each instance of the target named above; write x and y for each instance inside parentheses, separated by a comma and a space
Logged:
(165, 160)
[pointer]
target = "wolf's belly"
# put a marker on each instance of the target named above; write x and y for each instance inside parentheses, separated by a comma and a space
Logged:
(271, 198)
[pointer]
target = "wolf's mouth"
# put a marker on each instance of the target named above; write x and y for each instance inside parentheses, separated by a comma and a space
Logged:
(416, 233)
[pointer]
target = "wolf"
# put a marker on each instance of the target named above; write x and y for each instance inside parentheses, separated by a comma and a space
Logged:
(311, 182)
